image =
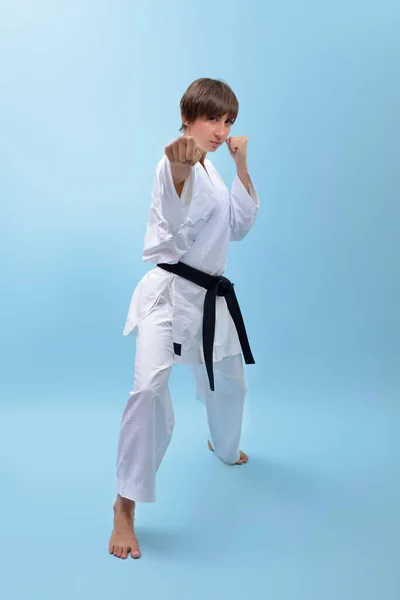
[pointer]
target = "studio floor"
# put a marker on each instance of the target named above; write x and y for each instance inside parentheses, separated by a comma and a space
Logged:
(313, 515)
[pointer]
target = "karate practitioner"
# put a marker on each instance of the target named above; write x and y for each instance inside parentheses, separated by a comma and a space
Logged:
(184, 310)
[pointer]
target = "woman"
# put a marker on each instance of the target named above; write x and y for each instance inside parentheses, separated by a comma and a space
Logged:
(183, 310)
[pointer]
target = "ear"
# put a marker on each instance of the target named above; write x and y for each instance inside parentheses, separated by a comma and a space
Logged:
(188, 125)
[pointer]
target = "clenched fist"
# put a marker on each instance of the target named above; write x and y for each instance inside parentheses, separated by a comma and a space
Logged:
(237, 146)
(184, 151)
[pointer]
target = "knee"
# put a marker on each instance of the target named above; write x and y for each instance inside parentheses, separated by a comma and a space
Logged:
(170, 425)
(141, 402)
(238, 389)
(152, 386)
(242, 388)
(150, 400)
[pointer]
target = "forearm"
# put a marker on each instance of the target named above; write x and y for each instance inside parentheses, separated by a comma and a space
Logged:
(241, 169)
(179, 175)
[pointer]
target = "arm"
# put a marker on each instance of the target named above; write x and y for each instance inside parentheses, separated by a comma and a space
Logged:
(243, 175)
(180, 173)
(244, 203)
(182, 154)
(175, 221)
(244, 200)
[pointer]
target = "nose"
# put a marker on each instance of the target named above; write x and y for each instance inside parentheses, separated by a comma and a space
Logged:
(219, 132)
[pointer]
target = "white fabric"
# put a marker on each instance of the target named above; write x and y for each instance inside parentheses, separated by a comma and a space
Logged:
(148, 419)
(196, 229)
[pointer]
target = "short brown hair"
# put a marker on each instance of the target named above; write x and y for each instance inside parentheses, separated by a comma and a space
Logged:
(208, 98)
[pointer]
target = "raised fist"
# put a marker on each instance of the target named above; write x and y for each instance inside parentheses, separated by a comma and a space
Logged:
(237, 146)
(184, 151)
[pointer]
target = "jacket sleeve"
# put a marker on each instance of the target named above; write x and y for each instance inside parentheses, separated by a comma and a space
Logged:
(244, 208)
(175, 222)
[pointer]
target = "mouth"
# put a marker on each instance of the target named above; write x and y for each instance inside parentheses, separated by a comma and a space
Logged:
(216, 144)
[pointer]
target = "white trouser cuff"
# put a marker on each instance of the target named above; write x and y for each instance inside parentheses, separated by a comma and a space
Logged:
(129, 490)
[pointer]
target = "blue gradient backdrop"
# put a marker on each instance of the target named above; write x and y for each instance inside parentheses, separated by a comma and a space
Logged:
(89, 97)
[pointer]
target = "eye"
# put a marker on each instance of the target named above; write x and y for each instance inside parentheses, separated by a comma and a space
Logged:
(228, 121)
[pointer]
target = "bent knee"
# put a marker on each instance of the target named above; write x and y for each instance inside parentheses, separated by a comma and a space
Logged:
(152, 386)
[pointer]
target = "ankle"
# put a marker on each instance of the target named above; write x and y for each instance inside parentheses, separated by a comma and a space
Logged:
(124, 505)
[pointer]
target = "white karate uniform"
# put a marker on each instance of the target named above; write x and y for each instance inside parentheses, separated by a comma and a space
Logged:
(196, 229)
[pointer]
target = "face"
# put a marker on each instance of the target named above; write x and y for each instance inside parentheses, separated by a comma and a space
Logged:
(209, 132)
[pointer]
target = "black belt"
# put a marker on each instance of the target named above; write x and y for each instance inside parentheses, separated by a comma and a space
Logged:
(215, 286)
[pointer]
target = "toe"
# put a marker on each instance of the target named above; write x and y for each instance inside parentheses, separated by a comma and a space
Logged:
(135, 551)
(244, 457)
(124, 553)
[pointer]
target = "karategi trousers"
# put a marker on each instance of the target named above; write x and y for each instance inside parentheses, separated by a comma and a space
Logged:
(148, 419)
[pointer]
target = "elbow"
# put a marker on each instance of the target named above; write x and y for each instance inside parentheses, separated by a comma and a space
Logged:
(242, 220)
(238, 234)
(239, 229)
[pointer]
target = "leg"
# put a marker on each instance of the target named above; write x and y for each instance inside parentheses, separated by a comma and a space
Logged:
(148, 419)
(146, 426)
(224, 406)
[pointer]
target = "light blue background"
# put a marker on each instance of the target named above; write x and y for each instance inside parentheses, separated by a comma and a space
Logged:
(89, 97)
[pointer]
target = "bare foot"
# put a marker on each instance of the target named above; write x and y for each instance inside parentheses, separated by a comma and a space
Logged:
(123, 539)
(243, 457)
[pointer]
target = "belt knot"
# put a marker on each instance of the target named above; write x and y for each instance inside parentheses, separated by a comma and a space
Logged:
(224, 286)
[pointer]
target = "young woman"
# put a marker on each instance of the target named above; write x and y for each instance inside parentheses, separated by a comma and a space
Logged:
(184, 310)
